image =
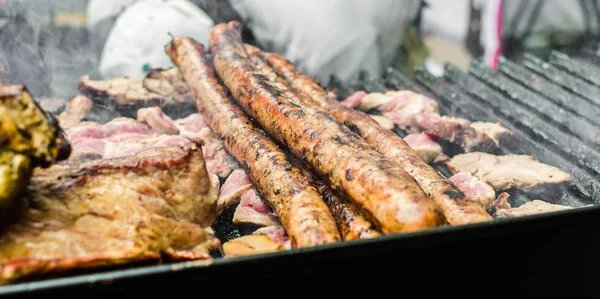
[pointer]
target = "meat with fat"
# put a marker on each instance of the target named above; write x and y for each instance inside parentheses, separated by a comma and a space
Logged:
(253, 210)
(77, 110)
(250, 245)
(157, 203)
(504, 172)
(475, 189)
(426, 146)
(531, 208)
(298, 204)
(230, 194)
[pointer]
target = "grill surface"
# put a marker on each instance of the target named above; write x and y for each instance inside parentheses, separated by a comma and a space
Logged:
(550, 103)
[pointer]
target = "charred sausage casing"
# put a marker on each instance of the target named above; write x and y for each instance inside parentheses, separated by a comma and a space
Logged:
(396, 204)
(457, 208)
(301, 208)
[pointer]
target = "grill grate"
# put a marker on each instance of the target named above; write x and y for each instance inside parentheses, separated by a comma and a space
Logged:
(551, 104)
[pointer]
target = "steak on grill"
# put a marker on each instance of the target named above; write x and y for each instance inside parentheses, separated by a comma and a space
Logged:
(126, 95)
(106, 212)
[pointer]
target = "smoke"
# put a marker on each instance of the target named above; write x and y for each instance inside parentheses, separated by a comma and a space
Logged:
(45, 57)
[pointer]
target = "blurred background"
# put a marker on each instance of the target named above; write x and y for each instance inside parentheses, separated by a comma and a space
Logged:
(48, 44)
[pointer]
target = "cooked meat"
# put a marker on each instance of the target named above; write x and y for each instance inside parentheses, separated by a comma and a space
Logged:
(29, 137)
(237, 183)
(77, 110)
(416, 113)
(475, 189)
(106, 212)
(126, 96)
(298, 204)
(531, 208)
(253, 210)
(454, 130)
(250, 245)
(168, 83)
(354, 100)
(383, 121)
(457, 208)
(157, 120)
(351, 221)
(126, 136)
(426, 146)
(401, 106)
(395, 203)
(494, 130)
(501, 203)
(508, 171)
(276, 233)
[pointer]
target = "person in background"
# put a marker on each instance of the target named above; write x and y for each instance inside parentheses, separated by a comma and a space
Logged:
(323, 38)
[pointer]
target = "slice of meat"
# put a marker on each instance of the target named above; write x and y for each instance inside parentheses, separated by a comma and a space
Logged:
(354, 100)
(77, 110)
(475, 189)
(126, 136)
(426, 146)
(298, 204)
(250, 245)
(454, 130)
(233, 188)
(253, 210)
(394, 200)
(168, 83)
(110, 212)
(531, 208)
(383, 121)
(508, 171)
(157, 120)
(276, 233)
(126, 95)
(404, 105)
(494, 130)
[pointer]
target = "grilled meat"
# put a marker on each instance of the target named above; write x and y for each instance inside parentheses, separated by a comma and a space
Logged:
(237, 183)
(168, 83)
(126, 96)
(416, 113)
(395, 204)
(494, 130)
(29, 137)
(108, 212)
(531, 208)
(298, 204)
(475, 189)
(426, 146)
(508, 171)
(253, 210)
(457, 208)
(249, 245)
(126, 136)
(77, 110)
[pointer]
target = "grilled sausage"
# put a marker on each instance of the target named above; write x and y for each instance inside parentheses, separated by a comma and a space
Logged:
(350, 220)
(457, 208)
(301, 208)
(394, 203)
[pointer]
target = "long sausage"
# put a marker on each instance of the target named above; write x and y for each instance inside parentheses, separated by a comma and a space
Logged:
(456, 206)
(302, 211)
(394, 203)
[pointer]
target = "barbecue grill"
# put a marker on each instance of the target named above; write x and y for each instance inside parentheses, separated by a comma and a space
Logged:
(549, 102)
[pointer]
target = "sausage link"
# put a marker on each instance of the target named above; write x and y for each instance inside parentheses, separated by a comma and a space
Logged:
(394, 203)
(456, 206)
(301, 208)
